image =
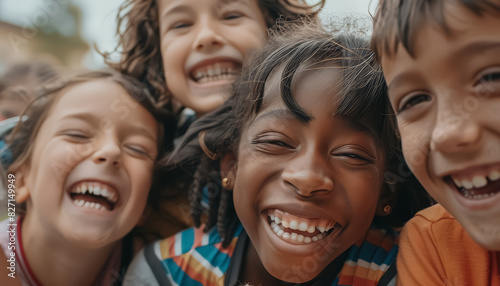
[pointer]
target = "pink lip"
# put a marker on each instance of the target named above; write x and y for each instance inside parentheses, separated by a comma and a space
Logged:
(469, 170)
(474, 205)
(212, 61)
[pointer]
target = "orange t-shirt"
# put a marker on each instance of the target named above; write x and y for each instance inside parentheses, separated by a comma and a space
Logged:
(434, 249)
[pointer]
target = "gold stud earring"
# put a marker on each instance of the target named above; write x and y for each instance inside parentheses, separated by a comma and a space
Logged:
(387, 209)
(225, 182)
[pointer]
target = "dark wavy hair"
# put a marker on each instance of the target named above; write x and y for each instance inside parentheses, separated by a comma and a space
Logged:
(362, 94)
(398, 21)
(139, 38)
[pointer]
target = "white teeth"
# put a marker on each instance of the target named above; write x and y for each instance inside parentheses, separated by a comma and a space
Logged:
(457, 183)
(280, 232)
(285, 223)
(494, 175)
(91, 190)
(294, 236)
(293, 225)
(307, 239)
(467, 184)
(84, 188)
(92, 205)
(273, 225)
(272, 217)
(303, 226)
(300, 238)
(479, 182)
(321, 229)
(277, 220)
(277, 228)
(315, 238)
(286, 235)
(311, 229)
(210, 72)
(97, 191)
(87, 204)
(98, 206)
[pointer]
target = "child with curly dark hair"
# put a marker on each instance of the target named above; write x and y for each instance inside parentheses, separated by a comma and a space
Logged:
(303, 150)
(191, 50)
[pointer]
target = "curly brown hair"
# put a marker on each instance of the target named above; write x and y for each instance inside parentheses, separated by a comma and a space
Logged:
(139, 40)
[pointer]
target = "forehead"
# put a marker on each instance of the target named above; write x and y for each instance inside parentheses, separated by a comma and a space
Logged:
(309, 84)
(167, 7)
(470, 36)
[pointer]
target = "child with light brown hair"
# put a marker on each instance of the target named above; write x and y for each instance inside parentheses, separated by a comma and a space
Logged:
(442, 66)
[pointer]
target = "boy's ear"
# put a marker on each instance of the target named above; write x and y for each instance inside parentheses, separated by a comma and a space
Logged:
(228, 170)
(22, 190)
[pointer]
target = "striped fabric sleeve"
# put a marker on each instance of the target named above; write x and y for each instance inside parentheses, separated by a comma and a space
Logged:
(193, 257)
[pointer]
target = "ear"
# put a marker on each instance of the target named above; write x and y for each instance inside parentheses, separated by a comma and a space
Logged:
(22, 190)
(228, 170)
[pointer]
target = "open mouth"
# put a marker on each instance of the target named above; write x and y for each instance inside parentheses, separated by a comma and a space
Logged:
(299, 230)
(225, 70)
(479, 187)
(94, 195)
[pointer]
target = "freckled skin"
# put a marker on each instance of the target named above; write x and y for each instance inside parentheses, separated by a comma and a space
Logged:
(447, 99)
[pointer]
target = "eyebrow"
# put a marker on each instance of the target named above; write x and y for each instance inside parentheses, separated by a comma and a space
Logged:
(134, 128)
(477, 47)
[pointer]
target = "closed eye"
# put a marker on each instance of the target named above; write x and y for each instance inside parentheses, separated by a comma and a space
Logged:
(76, 135)
(231, 16)
(180, 25)
(356, 157)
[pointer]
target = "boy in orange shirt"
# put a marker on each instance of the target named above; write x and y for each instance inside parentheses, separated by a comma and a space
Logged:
(441, 61)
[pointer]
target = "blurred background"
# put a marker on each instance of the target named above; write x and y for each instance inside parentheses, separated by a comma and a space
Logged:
(64, 32)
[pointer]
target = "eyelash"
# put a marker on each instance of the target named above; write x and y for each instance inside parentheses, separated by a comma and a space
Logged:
(494, 76)
(180, 25)
(232, 16)
(355, 157)
(412, 101)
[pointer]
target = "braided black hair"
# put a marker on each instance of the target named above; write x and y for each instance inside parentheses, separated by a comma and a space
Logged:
(362, 94)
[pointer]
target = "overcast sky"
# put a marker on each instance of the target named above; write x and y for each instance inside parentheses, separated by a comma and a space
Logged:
(99, 17)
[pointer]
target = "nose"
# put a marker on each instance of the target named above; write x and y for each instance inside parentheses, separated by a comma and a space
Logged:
(455, 133)
(310, 175)
(208, 37)
(108, 152)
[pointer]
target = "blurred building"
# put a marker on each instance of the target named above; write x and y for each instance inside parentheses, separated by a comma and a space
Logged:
(43, 39)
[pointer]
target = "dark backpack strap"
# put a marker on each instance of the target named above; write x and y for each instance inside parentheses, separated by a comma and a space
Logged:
(388, 275)
(156, 266)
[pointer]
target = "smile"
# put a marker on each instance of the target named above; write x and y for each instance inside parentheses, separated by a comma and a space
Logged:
(477, 187)
(225, 70)
(299, 230)
(94, 195)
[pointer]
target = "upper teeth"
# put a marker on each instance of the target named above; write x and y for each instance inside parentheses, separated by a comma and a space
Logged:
(221, 71)
(97, 191)
(302, 226)
(477, 181)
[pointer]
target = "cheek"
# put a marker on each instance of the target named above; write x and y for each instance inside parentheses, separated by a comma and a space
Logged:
(415, 143)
